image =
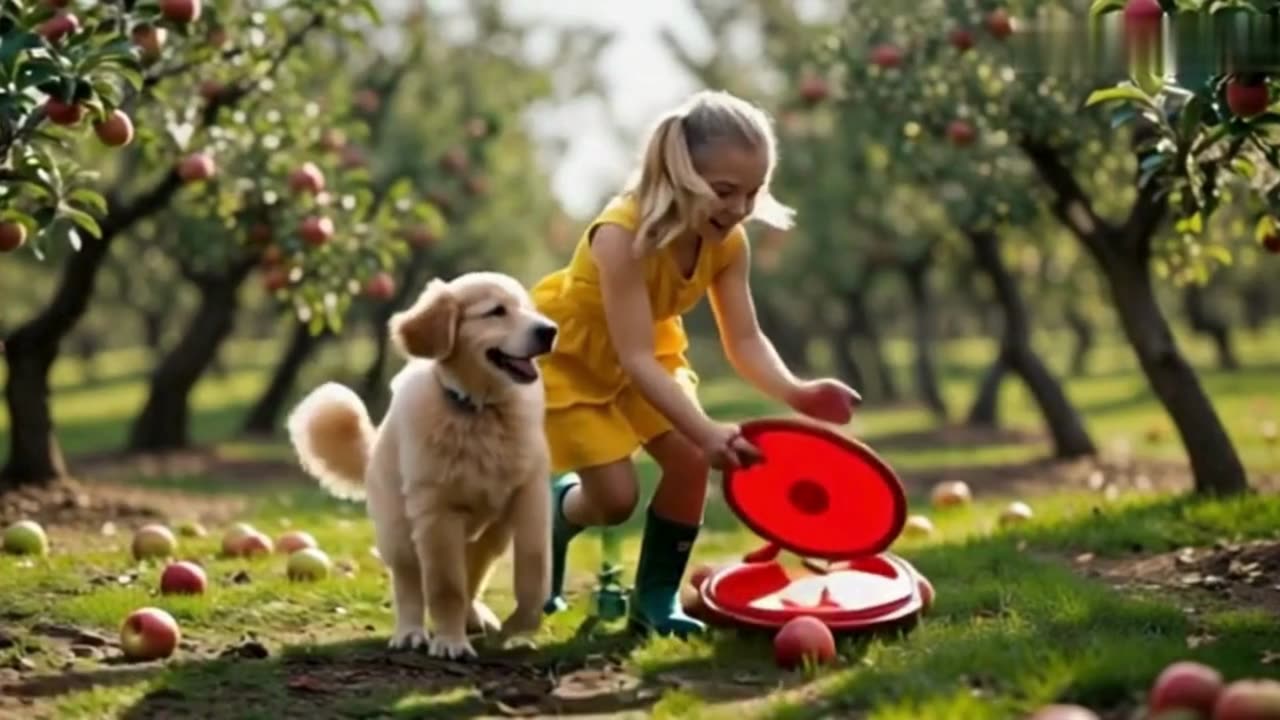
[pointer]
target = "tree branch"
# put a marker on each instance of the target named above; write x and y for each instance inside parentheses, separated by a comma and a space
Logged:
(1071, 203)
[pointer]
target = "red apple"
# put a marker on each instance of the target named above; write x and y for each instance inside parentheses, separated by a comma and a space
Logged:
(275, 279)
(1249, 699)
(116, 130)
(154, 541)
(961, 133)
(960, 39)
(272, 256)
(211, 89)
(183, 578)
(381, 286)
(1247, 99)
(999, 23)
(252, 544)
(813, 88)
(455, 161)
(295, 540)
(1064, 712)
(1272, 243)
(927, 593)
(196, 167)
(308, 564)
(150, 39)
(1187, 685)
(217, 37)
(1143, 20)
(316, 230)
(58, 26)
(419, 236)
(886, 55)
(180, 11)
(307, 178)
(477, 185)
(950, 494)
(60, 113)
(13, 235)
(149, 633)
(803, 638)
(232, 537)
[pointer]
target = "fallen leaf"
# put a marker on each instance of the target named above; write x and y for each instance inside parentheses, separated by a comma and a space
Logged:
(1200, 640)
(1084, 558)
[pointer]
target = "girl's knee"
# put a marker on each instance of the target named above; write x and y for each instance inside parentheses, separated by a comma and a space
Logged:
(612, 492)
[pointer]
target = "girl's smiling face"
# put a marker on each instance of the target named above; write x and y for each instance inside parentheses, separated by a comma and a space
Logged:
(736, 174)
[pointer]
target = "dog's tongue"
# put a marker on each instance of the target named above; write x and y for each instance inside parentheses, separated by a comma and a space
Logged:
(522, 365)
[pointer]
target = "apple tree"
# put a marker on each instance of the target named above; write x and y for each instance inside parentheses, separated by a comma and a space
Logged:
(194, 148)
(972, 62)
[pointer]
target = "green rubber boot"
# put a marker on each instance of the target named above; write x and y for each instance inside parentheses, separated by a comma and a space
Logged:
(562, 531)
(664, 555)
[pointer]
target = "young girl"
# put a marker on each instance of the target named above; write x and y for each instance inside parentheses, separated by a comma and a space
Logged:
(618, 379)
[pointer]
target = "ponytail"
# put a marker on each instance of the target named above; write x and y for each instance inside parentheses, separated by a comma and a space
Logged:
(672, 196)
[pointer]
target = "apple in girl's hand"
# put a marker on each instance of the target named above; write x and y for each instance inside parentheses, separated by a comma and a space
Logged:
(827, 399)
(149, 634)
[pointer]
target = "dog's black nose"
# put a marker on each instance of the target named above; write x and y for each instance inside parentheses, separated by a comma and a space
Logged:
(546, 335)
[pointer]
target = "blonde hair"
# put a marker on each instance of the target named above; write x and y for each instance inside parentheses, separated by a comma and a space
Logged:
(672, 196)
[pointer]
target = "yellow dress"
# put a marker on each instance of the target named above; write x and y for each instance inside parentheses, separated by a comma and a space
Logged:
(595, 416)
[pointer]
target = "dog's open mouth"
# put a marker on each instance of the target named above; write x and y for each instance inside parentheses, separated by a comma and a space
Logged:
(520, 369)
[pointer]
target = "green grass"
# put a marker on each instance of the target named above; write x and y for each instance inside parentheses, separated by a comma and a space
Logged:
(1015, 625)
(1012, 619)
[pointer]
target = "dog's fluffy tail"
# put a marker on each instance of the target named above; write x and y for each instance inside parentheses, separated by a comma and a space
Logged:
(333, 436)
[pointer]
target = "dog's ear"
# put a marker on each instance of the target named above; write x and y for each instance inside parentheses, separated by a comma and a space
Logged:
(428, 328)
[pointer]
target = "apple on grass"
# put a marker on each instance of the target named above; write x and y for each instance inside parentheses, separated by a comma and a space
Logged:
(918, 526)
(183, 578)
(1185, 685)
(1249, 699)
(1064, 712)
(951, 493)
(154, 541)
(149, 633)
(295, 540)
(803, 639)
(1016, 513)
(26, 537)
(309, 564)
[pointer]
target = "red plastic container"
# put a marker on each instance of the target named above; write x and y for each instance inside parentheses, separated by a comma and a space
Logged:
(823, 497)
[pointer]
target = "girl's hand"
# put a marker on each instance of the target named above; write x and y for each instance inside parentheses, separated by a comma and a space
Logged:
(826, 399)
(725, 447)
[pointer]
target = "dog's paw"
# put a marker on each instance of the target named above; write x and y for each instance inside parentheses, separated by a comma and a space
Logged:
(482, 620)
(451, 649)
(409, 639)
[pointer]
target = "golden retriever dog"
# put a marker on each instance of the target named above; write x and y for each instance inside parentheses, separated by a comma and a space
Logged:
(458, 470)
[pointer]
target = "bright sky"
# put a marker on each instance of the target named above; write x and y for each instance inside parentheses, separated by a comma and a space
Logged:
(643, 82)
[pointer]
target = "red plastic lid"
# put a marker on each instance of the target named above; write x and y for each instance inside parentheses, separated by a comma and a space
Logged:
(817, 493)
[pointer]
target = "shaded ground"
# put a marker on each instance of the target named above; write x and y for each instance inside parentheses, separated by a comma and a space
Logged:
(1229, 574)
(101, 505)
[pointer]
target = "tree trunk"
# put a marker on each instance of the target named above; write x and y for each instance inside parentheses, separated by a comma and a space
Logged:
(263, 419)
(1070, 439)
(1082, 331)
(164, 423)
(1215, 463)
(926, 373)
(1123, 253)
(985, 412)
(1204, 321)
(865, 325)
(34, 455)
(153, 327)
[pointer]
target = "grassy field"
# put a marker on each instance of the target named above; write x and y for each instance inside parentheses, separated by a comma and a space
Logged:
(1055, 610)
